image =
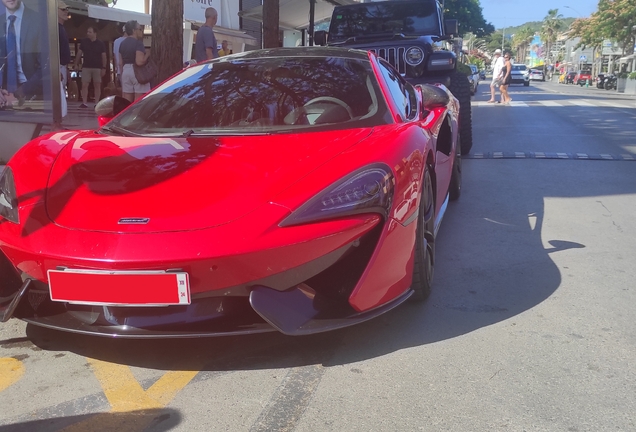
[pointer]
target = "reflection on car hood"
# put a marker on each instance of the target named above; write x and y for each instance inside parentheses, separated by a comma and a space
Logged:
(124, 184)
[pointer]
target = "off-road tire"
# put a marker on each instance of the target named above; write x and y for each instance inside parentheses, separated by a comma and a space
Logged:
(424, 242)
(460, 88)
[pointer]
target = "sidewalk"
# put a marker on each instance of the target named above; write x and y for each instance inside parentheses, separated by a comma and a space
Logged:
(77, 118)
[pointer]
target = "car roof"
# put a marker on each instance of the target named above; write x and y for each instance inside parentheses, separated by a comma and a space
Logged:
(301, 52)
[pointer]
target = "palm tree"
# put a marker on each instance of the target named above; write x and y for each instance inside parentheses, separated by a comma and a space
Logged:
(521, 41)
(552, 24)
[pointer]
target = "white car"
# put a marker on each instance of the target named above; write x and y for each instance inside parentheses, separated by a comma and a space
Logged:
(519, 74)
(536, 75)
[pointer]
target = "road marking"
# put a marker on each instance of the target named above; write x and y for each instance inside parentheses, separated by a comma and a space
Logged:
(551, 155)
(579, 102)
(11, 370)
(550, 103)
(125, 395)
(519, 104)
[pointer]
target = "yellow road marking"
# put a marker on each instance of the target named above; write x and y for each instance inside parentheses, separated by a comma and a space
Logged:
(126, 396)
(11, 370)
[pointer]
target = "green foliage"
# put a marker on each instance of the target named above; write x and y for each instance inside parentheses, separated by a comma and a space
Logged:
(632, 76)
(622, 75)
(469, 16)
(613, 20)
(464, 68)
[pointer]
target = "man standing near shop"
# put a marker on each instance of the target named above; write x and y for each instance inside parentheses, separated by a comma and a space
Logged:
(205, 46)
(20, 43)
(116, 57)
(94, 65)
(65, 50)
(497, 66)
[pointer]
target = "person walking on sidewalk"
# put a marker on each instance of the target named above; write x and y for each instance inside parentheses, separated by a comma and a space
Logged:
(205, 47)
(94, 65)
(132, 51)
(497, 67)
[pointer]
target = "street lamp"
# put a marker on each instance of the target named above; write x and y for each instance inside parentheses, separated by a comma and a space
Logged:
(575, 11)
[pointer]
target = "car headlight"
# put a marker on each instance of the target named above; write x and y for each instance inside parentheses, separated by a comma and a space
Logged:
(368, 190)
(414, 56)
(8, 197)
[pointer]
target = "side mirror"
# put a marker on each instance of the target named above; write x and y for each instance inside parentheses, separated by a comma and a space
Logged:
(109, 107)
(433, 97)
(451, 27)
(320, 37)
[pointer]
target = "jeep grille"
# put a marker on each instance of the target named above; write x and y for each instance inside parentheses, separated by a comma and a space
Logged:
(395, 56)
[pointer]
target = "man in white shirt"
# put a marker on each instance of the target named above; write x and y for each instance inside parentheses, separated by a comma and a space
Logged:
(116, 56)
(498, 65)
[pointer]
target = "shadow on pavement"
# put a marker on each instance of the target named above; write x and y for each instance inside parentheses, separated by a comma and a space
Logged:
(156, 420)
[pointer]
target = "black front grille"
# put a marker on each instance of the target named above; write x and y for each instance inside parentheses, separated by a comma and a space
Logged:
(394, 55)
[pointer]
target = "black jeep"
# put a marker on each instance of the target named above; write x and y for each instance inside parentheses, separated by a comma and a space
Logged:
(413, 37)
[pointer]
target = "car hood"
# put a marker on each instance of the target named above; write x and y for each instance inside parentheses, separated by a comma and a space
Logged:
(124, 184)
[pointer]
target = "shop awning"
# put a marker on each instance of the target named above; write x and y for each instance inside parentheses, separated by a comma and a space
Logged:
(117, 15)
(106, 13)
(294, 14)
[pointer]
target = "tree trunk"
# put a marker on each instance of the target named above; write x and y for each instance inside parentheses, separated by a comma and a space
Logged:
(167, 37)
(270, 23)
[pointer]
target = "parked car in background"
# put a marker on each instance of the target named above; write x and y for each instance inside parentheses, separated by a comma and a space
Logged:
(474, 78)
(519, 74)
(536, 75)
(583, 77)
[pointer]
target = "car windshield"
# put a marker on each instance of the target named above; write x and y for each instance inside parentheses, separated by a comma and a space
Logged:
(263, 95)
(519, 67)
(407, 18)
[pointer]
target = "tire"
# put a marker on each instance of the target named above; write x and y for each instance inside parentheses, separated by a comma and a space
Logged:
(526, 84)
(424, 242)
(455, 187)
(460, 88)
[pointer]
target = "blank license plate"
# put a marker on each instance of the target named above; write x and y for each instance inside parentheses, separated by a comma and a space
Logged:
(119, 288)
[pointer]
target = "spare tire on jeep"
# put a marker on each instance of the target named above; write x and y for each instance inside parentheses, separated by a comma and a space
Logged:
(460, 88)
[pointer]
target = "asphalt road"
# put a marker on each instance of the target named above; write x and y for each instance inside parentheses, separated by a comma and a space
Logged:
(530, 326)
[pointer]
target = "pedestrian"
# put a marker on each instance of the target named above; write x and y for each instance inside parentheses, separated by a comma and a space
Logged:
(20, 32)
(132, 51)
(93, 66)
(205, 46)
(116, 57)
(506, 77)
(498, 64)
(224, 49)
(65, 51)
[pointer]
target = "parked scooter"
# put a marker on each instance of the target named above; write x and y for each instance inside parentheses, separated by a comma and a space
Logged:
(610, 82)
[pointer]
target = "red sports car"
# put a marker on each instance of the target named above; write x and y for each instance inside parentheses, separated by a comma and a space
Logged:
(293, 189)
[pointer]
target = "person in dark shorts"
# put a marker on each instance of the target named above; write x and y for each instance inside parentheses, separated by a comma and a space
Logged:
(132, 51)
(94, 65)
(505, 81)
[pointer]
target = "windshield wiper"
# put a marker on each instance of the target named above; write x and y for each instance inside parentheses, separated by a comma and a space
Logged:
(119, 131)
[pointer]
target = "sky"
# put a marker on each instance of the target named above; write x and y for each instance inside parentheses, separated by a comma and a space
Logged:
(511, 13)
(501, 13)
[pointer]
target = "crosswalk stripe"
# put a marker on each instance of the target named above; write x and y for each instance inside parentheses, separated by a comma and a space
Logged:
(550, 103)
(579, 102)
(519, 104)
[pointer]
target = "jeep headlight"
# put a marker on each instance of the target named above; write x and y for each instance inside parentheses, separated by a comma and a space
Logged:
(414, 56)
(8, 197)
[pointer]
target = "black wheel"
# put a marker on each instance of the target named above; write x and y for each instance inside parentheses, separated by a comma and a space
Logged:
(526, 84)
(460, 88)
(424, 242)
(455, 187)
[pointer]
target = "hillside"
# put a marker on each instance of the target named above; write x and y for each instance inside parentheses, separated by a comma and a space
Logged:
(536, 26)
